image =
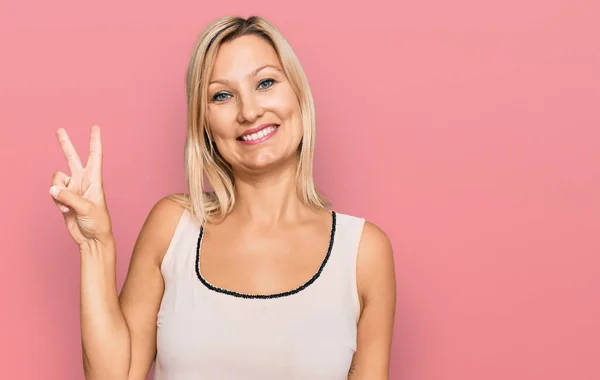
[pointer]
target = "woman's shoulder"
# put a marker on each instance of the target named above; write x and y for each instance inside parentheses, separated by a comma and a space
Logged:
(170, 207)
(374, 242)
(176, 200)
(160, 225)
(373, 237)
(375, 261)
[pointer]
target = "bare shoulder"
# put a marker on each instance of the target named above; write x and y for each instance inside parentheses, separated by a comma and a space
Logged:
(375, 249)
(169, 206)
(374, 240)
(159, 226)
(375, 263)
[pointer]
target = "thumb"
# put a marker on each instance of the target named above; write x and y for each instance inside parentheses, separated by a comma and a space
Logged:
(70, 199)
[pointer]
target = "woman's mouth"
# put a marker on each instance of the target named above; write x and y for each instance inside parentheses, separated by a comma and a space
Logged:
(258, 135)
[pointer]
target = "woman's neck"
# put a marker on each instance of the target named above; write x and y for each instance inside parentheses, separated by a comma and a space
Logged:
(268, 199)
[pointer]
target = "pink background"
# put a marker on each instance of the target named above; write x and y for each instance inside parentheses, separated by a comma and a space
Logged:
(469, 131)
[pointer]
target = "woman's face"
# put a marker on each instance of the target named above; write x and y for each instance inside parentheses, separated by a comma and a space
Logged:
(253, 112)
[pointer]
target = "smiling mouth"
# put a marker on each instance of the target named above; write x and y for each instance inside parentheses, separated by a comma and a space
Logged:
(258, 135)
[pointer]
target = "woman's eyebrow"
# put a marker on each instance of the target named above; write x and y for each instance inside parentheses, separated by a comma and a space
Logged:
(253, 73)
(256, 71)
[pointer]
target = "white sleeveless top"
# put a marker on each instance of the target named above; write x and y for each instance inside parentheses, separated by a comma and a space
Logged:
(207, 333)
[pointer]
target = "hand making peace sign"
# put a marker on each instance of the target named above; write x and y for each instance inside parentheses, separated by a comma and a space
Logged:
(80, 195)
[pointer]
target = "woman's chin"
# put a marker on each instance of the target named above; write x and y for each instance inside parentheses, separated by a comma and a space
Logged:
(264, 162)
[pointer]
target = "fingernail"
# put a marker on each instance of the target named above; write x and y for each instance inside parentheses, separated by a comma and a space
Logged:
(54, 190)
(64, 209)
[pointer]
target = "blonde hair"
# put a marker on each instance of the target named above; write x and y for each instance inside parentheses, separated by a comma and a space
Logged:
(201, 158)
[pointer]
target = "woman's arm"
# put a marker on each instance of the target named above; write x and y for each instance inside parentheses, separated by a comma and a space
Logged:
(143, 288)
(376, 283)
(104, 334)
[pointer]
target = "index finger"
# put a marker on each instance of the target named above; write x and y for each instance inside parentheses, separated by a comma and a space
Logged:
(94, 162)
(69, 150)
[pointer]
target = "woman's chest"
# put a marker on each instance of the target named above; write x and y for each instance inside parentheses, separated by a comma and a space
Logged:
(257, 343)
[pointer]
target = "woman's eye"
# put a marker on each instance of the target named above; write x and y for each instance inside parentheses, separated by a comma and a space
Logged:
(266, 83)
(221, 96)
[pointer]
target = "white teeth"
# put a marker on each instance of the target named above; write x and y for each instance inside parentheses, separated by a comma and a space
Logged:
(262, 133)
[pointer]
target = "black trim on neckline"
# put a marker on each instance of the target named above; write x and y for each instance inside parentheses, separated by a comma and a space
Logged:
(266, 296)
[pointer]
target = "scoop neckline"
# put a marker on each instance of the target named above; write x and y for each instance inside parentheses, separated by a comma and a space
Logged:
(273, 295)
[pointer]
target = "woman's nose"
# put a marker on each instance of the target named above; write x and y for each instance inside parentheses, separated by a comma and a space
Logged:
(249, 109)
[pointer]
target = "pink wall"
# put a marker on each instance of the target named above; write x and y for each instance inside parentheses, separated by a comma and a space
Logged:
(468, 131)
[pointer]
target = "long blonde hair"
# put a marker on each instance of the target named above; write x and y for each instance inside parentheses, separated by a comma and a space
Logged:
(201, 158)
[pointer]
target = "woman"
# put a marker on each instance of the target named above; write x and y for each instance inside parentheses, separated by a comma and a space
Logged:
(253, 280)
